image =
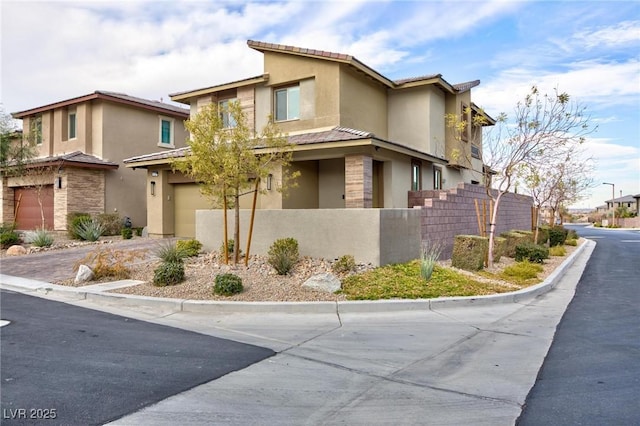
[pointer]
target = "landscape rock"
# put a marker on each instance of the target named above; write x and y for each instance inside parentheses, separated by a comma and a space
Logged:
(16, 251)
(325, 282)
(84, 274)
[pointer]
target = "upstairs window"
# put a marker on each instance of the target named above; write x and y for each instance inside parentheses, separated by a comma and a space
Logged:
(228, 121)
(72, 125)
(166, 131)
(36, 129)
(287, 103)
(464, 118)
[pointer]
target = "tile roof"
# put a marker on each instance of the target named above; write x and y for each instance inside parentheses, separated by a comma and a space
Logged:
(416, 79)
(112, 96)
(337, 134)
(77, 158)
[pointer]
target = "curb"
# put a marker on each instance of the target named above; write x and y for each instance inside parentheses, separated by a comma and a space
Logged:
(24, 285)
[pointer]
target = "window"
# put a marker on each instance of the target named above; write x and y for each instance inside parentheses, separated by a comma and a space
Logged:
(464, 118)
(416, 176)
(287, 103)
(227, 119)
(166, 131)
(72, 125)
(475, 151)
(36, 129)
(437, 178)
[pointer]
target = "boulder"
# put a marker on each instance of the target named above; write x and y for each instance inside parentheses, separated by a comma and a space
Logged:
(84, 274)
(325, 282)
(16, 251)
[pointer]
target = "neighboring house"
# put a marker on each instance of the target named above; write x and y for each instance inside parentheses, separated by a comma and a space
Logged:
(81, 143)
(361, 139)
(630, 202)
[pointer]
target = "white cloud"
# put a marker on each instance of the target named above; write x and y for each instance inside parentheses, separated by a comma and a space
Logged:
(623, 33)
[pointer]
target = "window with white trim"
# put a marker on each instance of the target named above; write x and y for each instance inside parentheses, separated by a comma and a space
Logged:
(287, 103)
(166, 131)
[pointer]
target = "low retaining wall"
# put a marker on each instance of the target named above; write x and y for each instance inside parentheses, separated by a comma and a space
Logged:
(376, 236)
(446, 214)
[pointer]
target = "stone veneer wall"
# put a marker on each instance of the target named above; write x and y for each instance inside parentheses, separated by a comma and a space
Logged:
(6, 207)
(82, 191)
(359, 181)
(628, 222)
(446, 214)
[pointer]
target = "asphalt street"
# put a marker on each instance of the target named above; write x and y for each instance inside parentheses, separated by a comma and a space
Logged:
(67, 365)
(591, 375)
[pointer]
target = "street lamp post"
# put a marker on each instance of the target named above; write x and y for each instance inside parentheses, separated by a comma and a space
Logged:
(613, 207)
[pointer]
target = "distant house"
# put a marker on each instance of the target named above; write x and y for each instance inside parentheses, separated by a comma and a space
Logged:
(630, 202)
(361, 139)
(82, 142)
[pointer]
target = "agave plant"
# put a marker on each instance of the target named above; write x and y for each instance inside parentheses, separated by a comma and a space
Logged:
(39, 238)
(90, 230)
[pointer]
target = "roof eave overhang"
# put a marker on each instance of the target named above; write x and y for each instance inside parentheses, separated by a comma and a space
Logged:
(94, 96)
(185, 97)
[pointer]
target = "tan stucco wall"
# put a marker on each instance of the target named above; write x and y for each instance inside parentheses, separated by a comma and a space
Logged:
(305, 195)
(363, 103)
(331, 183)
(376, 236)
(318, 95)
(130, 132)
(417, 119)
(160, 205)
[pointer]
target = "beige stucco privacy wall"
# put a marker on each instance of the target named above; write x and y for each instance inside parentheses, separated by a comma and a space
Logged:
(376, 236)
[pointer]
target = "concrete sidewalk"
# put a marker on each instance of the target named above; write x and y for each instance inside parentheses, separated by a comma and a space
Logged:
(444, 361)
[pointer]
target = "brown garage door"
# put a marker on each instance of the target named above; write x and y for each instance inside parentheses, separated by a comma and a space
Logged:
(28, 213)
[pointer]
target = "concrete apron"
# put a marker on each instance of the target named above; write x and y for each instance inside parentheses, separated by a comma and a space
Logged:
(440, 361)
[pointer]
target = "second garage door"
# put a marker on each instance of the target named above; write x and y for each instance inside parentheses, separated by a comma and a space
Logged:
(187, 199)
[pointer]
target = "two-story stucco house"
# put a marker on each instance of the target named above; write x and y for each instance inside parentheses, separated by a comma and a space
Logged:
(360, 139)
(83, 142)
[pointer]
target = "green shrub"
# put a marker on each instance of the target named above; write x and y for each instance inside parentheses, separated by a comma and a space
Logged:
(572, 234)
(227, 285)
(344, 264)
(8, 235)
(170, 253)
(513, 238)
(168, 273)
(528, 234)
(191, 248)
(126, 233)
(557, 236)
(89, 230)
(543, 235)
(469, 252)
(522, 271)
(40, 238)
(531, 252)
(499, 247)
(571, 242)
(138, 231)
(73, 221)
(230, 247)
(283, 254)
(111, 223)
(557, 251)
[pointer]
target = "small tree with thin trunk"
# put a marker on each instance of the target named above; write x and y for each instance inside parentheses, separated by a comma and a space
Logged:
(562, 180)
(229, 159)
(542, 127)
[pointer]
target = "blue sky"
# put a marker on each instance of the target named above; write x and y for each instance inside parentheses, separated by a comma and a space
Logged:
(56, 50)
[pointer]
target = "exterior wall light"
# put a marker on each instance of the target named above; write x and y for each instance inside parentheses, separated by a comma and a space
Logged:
(269, 181)
(153, 187)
